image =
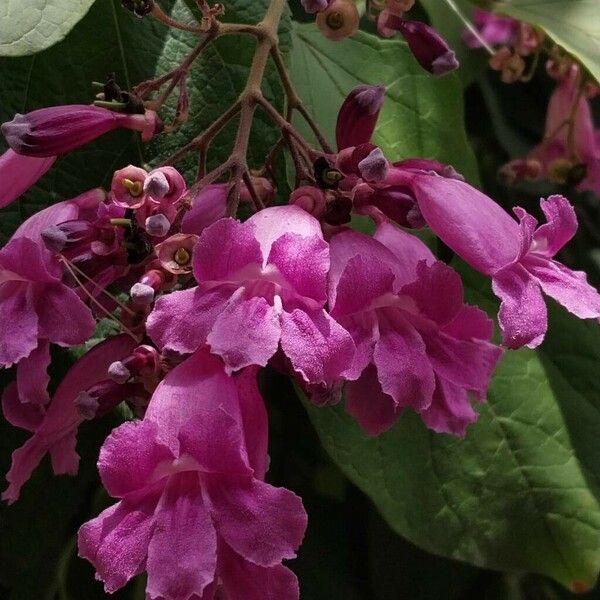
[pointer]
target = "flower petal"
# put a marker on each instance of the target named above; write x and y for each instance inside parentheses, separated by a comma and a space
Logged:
(129, 457)
(182, 555)
(560, 228)
(522, 316)
(18, 337)
(32, 375)
(244, 580)
(374, 410)
(20, 414)
(116, 542)
(262, 523)
(246, 333)
(320, 348)
(182, 320)
(19, 173)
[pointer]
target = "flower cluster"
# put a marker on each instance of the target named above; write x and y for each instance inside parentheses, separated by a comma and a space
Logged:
(205, 301)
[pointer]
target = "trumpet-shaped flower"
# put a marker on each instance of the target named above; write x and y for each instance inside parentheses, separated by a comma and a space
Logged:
(193, 510)
(261, 283)
(417, 344)
(54, 428)
(518, 256)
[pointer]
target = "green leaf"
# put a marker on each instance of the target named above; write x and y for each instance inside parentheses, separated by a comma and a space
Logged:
(29, 26)
(522, 491)
(422, 116)
(111, 39)
(573, 24)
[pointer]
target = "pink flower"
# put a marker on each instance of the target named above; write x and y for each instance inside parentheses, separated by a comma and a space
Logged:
(55, 428)
(494, 29)
(36, 308)
(565, 157)
(516, 255)
(19, 173)
(261, 283)
(429, 48)
(55, 130)
(193, 509)
(314, 6)
(417, 343)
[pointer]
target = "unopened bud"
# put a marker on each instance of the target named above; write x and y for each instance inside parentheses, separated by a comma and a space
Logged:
(157, 185)
(157, 225)
(310, 198)
(142, 294)
(510, 65)
(375, 167)
(119, 373)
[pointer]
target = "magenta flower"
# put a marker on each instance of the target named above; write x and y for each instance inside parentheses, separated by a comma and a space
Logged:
(55, 428)
(494, 29)
(261, 283)
(516, 255)
(36, 308)
(193, 510)
(429, 48)
(208, 206)
(55, 130)
(417, 344)
(358, 115)
(19, 173)
(564, 157)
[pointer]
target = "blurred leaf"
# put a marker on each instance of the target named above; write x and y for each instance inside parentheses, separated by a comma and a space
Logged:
(573, 24)
(29, 26)
(422, 115)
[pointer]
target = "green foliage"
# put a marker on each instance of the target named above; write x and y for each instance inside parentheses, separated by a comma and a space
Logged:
(574, 24)
(29, 26)
(422, 115)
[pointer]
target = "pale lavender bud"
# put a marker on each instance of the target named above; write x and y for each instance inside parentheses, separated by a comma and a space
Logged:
(118, 372)
(157, 185)
(314, 6)
(157, 225)
(142, 294)
(374, 167)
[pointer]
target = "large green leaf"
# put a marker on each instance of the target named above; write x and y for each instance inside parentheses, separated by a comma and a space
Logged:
(422, 116)
(29, 26)
(522, 491)
(574, 24)
(111, 39)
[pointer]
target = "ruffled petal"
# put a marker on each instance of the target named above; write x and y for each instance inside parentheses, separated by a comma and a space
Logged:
(403, 367)
(569, 288)
(274, 222)
(182, 320)
(470, 322)
(244, 580)
(19, 334)
(246, 333)
(304, 264)
(116, 542)
(560, 228)
(225, 249)
(320, 349)
(522, 316)
(450, 410)
(182, 555)
(364, 330)
(215, 440)
(20, 414)
(262, 523)
(130, 456)
(374, 410)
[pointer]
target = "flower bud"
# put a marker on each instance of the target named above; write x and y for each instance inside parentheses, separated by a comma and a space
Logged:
(510, 64)
(165, 184)
(374, 167)
(102, 397)
(314, 6)
(263, 188)
(310, 198)
(157, 225)
(339, 20)
(51, 131)
(358, 115)
(144, 361)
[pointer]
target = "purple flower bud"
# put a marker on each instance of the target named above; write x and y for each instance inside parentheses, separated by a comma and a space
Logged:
(157, 225)
(101, 398)
(118, 372)
(374, 167)
(429, 48)
(157, 185)
(69, 234)
(314, 6)
(358, 115)
(57, 129)
(19, 173)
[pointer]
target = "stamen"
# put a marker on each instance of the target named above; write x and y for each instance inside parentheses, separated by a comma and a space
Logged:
(182, 256)
(135, 187)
